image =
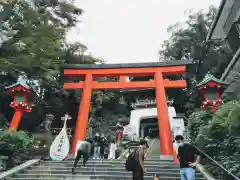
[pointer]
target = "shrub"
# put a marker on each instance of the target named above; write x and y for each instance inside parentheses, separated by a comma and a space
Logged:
(195, 121)
(13, 143)
(219, 137)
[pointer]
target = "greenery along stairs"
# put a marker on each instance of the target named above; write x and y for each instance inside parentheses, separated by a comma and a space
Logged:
(95, 169)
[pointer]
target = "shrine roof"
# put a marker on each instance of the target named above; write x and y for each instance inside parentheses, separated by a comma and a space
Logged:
(129, 65)
(20, 82)
(208, 78)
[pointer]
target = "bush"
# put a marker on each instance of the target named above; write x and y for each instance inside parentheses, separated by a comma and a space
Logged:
(219, 137)
(13, 143)
(195, 121)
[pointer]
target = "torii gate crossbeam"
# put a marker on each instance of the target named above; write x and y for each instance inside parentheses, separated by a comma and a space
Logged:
(156, 70)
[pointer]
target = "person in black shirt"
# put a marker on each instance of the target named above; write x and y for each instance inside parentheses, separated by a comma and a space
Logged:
(189, 157)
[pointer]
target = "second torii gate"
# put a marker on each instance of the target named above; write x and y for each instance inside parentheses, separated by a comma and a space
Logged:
(157, 70)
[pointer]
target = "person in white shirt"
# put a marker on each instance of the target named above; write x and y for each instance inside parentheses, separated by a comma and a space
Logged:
(112, 150)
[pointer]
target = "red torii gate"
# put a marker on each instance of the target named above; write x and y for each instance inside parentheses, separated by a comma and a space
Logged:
(157, 70)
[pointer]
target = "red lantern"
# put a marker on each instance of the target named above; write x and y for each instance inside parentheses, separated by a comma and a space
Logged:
(211, 89)
(20, 92)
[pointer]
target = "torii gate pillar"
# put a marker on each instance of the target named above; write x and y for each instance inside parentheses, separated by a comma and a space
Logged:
(83, 112)
(163, 119)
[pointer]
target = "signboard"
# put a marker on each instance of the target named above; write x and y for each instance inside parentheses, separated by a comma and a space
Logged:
(60, 147)
(129, 130)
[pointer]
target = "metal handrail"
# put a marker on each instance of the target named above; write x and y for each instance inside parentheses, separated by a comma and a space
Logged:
(211, 159)
(216, 163)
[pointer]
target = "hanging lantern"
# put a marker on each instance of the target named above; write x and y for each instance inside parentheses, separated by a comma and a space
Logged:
(211, 89)
(20, 92)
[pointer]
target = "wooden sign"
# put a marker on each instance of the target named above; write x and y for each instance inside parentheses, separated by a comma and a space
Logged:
(60, 146)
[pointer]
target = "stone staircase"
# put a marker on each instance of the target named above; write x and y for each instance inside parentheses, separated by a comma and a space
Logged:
(96, 169)
(154, 149)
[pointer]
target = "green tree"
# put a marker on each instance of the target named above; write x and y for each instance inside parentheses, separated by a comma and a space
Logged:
(33, 44)
(188, 41)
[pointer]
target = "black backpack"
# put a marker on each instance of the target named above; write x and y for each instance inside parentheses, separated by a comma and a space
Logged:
(131, 161)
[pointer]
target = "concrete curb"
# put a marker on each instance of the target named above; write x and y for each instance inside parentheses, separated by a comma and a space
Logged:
(19, 168)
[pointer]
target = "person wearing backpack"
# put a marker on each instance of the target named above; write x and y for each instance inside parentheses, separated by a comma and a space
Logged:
(135, 161)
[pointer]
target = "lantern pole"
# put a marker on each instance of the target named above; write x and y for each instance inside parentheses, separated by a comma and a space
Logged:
(16, 120)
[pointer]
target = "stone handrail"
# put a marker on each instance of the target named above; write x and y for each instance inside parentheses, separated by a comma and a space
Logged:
(19, 168)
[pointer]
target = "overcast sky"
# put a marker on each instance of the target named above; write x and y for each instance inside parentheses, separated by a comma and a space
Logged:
(128, 31)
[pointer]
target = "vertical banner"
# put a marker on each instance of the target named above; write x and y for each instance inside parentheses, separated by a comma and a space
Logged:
(60, 147)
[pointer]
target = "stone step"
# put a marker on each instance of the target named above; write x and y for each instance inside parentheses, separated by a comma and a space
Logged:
(103, 172)
(109, 165)
(112, 168)
(109, 162)
(106, 166)
(88, 177)
(152, 158)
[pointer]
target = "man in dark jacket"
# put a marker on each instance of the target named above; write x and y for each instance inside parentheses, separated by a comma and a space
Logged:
(84, 150)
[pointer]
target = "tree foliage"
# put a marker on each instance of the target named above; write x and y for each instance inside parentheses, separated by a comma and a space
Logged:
(33, 45)
(217, 135)
(13, 143)
(188, 42)
(195, 121)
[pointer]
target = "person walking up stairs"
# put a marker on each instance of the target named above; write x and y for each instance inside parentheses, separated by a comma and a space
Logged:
(84, 151)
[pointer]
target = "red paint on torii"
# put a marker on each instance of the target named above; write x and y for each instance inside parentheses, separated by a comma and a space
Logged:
(159, 83)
